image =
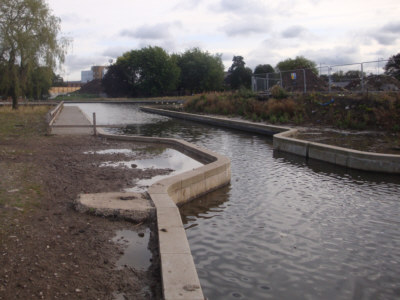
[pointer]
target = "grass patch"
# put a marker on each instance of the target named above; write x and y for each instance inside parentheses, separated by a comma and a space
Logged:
(26, 121)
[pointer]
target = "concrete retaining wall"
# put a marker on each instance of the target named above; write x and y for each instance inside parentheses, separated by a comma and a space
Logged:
(224, 122)
(179, 275)
(367, 161)
(283, 140)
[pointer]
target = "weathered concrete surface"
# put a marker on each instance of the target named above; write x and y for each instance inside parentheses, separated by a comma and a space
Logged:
(354, 159)
(130, 206)
(68, 120)
(223, 122)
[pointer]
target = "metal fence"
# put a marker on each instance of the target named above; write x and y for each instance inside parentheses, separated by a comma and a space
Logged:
(346, 78)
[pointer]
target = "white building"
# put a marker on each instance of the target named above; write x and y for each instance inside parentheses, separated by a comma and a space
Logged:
(86, 76)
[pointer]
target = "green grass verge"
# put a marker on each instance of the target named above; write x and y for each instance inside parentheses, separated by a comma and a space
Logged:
(26, 121)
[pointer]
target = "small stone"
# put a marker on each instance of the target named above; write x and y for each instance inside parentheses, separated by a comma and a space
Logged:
(191, 287)
(141, 234)
(78, 290)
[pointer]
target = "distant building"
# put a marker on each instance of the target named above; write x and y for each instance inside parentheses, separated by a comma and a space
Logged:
(96, 72)
(86, 76)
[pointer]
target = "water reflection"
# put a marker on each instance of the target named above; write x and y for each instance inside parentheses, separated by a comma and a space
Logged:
(206, 207)
(357, 176)
(136, 253)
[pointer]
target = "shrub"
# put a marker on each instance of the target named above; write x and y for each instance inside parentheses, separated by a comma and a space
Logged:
(278, 93)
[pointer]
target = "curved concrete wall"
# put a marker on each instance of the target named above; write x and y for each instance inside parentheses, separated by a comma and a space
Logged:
(179, 275)
(283, 141)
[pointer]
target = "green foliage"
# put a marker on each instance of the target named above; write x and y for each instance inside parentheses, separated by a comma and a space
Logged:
(28, 42)
(239, 76)
(278, 93)
(149, 71)
(300, 62)
(200, 71)
(392, 67)
(115, 81)
(264, 69)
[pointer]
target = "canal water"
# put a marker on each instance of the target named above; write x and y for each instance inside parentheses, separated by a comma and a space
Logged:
(285, 228)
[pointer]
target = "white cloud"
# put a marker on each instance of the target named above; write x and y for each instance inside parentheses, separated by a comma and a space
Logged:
(260, 31)
(293, 32)
(243, 27)
(151, 32)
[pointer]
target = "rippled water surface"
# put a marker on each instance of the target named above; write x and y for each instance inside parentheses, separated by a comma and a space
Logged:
(287, 228)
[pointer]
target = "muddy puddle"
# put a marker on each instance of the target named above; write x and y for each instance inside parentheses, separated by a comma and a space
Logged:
(161, 158)
(136, 253)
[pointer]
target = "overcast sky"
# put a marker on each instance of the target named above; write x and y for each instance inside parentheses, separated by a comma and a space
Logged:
(326, 31)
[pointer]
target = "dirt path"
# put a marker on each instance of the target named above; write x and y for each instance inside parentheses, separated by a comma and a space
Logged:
(47, 249)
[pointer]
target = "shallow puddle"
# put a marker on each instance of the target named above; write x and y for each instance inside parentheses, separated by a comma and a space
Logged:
(161, 158)
(112, 151)
(136, 253)
(167, 159)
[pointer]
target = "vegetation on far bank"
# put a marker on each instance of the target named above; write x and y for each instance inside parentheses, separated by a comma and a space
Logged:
(368, 111)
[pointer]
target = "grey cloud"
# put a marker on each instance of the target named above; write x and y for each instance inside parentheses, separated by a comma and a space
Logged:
(188, 4)
(115, 51)
(79, 63)
(333, 56)
(293, 32)
(392, 28)
(73, 18)
(387, 35)
(241, 6)
(151, 32)
(245, 27)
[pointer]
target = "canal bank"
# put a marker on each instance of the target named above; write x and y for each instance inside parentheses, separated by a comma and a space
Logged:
(284, 140)
(285, 228)
(178, 272)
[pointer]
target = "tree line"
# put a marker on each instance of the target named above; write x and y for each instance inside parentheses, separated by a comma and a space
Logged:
(30, 50)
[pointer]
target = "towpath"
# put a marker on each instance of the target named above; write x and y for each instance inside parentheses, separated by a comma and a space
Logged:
(69, 120)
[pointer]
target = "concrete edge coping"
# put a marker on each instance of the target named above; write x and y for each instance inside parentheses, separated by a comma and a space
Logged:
(178, 271)
(283, 140)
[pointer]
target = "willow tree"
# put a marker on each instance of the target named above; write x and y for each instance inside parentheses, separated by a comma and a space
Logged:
(29, 41)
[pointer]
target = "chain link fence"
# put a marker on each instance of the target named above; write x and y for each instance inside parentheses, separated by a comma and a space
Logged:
(346, 78)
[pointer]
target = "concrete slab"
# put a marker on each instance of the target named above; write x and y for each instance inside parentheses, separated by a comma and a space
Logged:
(173, 240)
(71, 116)
(168, 217)
(180, 277)
(131, 206)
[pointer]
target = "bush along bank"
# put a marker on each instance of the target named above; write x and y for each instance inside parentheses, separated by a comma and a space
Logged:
(368, 111)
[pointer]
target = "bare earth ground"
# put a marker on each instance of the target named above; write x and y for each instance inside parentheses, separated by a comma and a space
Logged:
(370, 141)
(47, 249)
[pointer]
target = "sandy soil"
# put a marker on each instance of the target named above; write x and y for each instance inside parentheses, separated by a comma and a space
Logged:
(47, 249)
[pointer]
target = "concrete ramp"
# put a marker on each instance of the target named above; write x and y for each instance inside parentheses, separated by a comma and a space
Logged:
(72, 121)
